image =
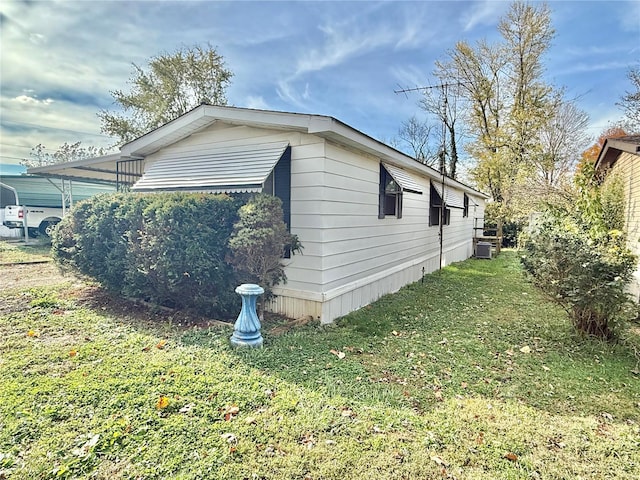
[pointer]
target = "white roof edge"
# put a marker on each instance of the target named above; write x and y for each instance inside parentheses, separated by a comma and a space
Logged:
(66, 165)
(321, 125)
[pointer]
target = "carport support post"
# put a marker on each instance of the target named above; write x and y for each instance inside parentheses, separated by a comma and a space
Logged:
(246, 331)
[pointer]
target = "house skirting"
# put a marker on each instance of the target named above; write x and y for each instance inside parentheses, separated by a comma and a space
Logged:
(634, 286)
(335, 303)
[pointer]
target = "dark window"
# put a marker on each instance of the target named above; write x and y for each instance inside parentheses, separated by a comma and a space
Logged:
(279, 184)
(282, 184)
(436, 214)
(7, 197)
(465, 211)
(390, 196)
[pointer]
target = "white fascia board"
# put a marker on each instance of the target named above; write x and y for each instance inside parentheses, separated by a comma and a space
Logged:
(167, 134)
(205, 116)
(331, 128)
(320, 125)
(260, 118)
(87, 162)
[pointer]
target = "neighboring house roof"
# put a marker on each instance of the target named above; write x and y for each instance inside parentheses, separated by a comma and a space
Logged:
(203, 116)
(613, 147)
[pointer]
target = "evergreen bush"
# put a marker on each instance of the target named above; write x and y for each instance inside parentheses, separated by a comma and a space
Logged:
(167, 248)
(259, 242)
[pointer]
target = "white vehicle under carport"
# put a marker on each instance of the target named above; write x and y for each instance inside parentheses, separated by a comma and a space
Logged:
(40, 220)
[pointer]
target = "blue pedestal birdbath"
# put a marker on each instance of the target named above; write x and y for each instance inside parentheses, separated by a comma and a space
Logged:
(246, 331)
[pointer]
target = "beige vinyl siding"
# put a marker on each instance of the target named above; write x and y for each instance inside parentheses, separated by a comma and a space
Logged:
(628, 167)
(350, 256)
(359, 246)
(303, 271)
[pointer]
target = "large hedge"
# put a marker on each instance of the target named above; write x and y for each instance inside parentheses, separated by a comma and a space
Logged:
(166, 248)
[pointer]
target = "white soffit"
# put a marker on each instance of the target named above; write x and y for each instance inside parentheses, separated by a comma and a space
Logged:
(403, 178)
(452, 198)
(230, 169)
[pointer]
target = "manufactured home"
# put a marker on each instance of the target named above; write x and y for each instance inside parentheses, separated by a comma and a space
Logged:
(371, 219)
(622, 155)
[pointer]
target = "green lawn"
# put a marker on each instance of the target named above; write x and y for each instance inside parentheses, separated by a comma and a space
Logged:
(19, 252)
(469, 375)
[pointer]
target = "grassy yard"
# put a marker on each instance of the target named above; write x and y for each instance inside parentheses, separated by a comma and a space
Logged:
(19, 252)
(468, 375)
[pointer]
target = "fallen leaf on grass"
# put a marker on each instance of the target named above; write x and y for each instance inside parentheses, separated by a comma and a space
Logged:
(511, 457)
(146, 349)
(526, 349)
(162, 403)
(32, 333)
(230, 412)
(230, 438)
(439, 461)
(73, 353)
(347, 412)
(160, 345)
(308, 440)
(338, 354)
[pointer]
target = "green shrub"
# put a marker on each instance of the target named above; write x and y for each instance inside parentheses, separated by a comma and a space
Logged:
(179, 253)
(259, 241)
(165, 248)
(587, 278)
(580, 259)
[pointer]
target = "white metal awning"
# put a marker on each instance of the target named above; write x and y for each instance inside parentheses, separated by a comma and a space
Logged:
(403, 179)
(452, 198)
(235, 169)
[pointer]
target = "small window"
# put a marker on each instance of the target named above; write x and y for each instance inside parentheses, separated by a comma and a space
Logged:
(436, 214)
(390, 196)
(465, 211)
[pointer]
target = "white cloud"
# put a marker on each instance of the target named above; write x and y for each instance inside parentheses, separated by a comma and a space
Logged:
(339, 47)
(32, 100)
(257, 102)
(483, 13)
(630, 19)
(37, 39)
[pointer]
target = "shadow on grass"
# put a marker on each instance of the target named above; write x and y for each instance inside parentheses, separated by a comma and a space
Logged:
(476, 329)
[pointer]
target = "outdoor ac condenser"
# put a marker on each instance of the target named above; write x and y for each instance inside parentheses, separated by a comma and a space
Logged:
(483, 250)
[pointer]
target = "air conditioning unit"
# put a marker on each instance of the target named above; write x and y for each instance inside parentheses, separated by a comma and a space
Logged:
(483, 250)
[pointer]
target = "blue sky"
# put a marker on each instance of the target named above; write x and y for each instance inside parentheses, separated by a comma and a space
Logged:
(60, 59)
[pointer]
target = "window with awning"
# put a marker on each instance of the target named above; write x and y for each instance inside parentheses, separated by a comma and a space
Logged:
(452, 197)
(393, 182)
(236, 169)
(239, 169)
